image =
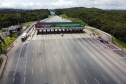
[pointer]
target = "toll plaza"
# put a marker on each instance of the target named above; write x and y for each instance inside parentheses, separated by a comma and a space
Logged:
(59, 26)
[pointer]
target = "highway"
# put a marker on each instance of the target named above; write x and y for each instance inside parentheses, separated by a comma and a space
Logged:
(74, 58)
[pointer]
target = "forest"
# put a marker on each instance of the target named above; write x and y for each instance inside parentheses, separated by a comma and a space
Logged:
(9, 17)
(110, 21)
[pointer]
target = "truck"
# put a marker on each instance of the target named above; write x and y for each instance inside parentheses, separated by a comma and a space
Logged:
(24, 37)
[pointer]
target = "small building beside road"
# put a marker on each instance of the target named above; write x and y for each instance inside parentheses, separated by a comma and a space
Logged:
(14, 30)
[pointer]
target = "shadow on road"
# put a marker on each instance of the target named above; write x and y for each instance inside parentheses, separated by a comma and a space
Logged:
(59, 32)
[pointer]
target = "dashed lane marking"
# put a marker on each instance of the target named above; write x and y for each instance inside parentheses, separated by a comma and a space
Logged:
(84, 53)
(41, 70)
(76, 65)
(13, 80)
(50, 68)
(68, 67)
(85, 81)
(75, 82)
(25, 72)
(48, 58)
(40, 58)
(24, 79)
(32, 71)
(104, 77)
(71, 56)
(97, 81)
(91, 63)
(25, 66)
(117, 80)
(59, 68)
(77, 55)
(63, 56)
(85, 65)
(32, 59)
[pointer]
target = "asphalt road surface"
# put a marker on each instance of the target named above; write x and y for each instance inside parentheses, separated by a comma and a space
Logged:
(74, 58)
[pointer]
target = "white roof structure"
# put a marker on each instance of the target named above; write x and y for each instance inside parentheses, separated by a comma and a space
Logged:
(12, 27)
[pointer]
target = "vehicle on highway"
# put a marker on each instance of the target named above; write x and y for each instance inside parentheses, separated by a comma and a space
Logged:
(61, 34)
(24, 37)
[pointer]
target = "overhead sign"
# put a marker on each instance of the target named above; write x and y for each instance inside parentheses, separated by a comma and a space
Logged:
(43, 25)
(70, 25)
(65, 24)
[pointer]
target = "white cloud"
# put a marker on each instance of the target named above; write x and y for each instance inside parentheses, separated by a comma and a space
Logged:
(51, 4)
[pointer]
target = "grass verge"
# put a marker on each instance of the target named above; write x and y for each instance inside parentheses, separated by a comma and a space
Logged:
(93, 31)
(1, 61)
(49, 16)
(72, 19)
(120, 43)
(8, 41)
(28, 22)
(0, 30)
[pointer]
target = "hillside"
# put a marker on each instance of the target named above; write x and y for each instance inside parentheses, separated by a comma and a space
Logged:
(106, 20)
(10, 17)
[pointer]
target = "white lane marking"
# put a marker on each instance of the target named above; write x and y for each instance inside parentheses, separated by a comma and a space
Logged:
(32, 71)
(66, 47)
(50, 69)
(25, 72)
(85, 81)
(40, 58)
(84, 53)
(32, 59)
(76, 65)
(24, 79)
(25, 66)
(59, 68)
(68, 67)
(55, 56)
(85, 65)
(96, 81)
(71, 56)
(75, 82)
(77, 55)
(17, 61)
(14, 74)
(64, 82)
(117, 80)
(41, 70)
(26, 54)
(13, 80)
(91, 63)
(104, 77)
(63, 56)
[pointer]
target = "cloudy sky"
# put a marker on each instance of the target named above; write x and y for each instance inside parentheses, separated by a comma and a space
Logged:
(52, 4)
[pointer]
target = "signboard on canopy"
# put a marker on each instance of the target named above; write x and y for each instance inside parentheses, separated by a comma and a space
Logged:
(70, 24)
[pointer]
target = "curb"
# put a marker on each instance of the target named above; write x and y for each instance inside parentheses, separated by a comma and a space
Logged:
(3, 67)
(99, 41)
(112, 44)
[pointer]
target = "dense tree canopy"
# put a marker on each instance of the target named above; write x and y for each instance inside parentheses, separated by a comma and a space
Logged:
(105, 20)
(10, 17)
